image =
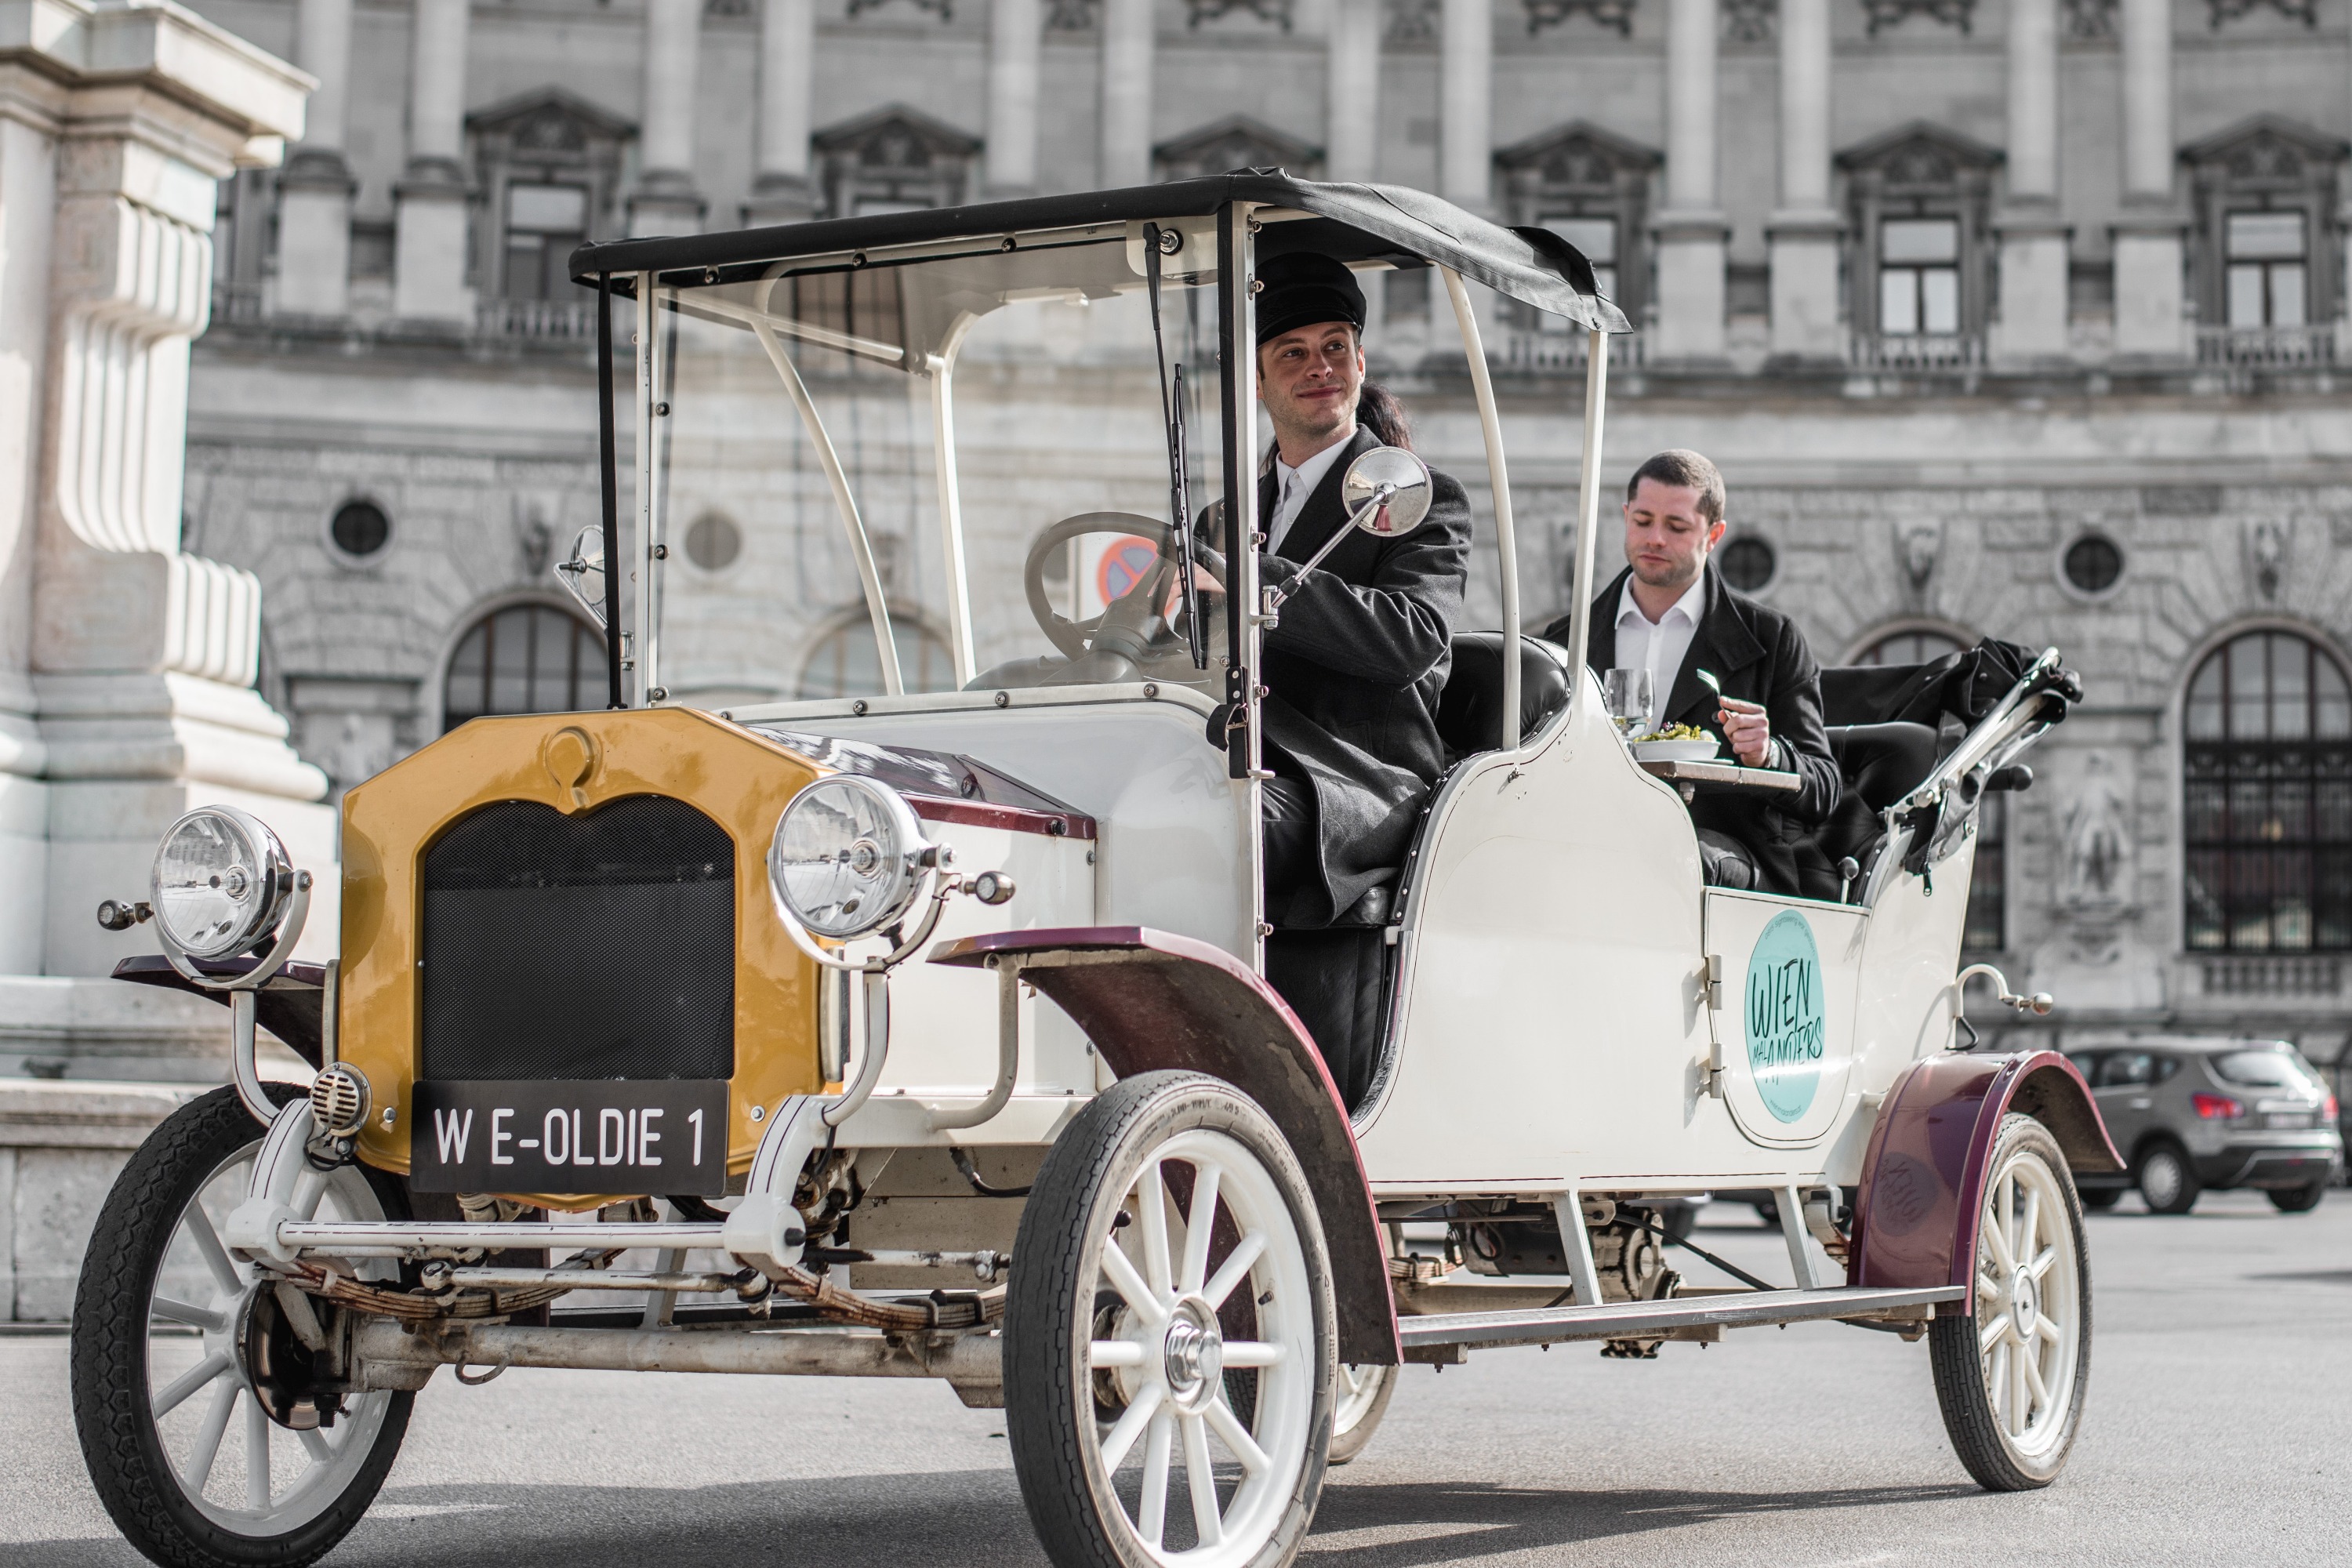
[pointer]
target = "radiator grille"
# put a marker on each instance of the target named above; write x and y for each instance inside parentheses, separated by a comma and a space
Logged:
(594, 946)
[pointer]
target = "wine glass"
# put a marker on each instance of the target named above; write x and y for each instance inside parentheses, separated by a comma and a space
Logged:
(1632, 698)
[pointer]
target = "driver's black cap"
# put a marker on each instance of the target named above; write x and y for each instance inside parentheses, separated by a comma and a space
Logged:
(1302, 288)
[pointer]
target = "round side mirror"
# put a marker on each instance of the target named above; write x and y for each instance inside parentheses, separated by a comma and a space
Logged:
(1404, 477)
(582, 575)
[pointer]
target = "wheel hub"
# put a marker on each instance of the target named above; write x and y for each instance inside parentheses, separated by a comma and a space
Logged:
(1192, 1352)
(2024, 1304)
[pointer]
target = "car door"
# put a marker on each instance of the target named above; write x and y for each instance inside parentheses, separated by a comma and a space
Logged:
(2125, 1089)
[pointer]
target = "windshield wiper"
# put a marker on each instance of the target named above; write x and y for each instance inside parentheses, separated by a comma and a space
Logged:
(1172, 415)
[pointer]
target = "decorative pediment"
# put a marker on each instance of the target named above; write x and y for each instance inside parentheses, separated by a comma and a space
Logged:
(1237, 142)
(1957, 13)
(897, 138)
(2266, 152)
(550, 120)
(1578, 156)
(1922, 157)
(1615, 15)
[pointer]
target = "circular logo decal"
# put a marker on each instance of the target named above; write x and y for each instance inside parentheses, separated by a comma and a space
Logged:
(1786, 1019)
(1128, 561)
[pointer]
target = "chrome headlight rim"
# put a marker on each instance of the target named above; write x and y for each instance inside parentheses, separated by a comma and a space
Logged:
(270, 885)
(911, 857)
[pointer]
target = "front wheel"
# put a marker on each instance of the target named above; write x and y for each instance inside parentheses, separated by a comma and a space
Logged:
(2166, 1183)
(2010, 1375)
(180, 1448)
(2297, 1200)
(1171, 1276)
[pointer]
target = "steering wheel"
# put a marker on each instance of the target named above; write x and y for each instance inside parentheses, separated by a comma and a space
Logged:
(1130, 628)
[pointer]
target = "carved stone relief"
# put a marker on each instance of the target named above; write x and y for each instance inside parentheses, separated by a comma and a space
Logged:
(2091, 18)
(1614, 13)
(2267, 541)
(1749, 21)
(2219, 11)
(1951, 13)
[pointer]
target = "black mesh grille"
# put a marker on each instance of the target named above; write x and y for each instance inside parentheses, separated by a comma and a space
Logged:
(601, 945)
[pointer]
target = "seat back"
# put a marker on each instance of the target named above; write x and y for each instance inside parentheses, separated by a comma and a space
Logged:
(1470, 711)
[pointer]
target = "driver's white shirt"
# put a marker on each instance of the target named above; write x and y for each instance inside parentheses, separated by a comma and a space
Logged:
(1292, 485)
(1660, 648)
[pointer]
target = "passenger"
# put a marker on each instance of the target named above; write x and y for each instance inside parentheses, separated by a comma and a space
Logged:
(1361, 654)
(1668, 612)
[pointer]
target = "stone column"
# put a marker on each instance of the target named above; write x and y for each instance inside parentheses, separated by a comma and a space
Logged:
(2150, 318)
(1351, 101)
(429, 265)
(1126, 49)
(1691, 228)
(664, 201)
(314, 199)
(1016, 41)
(1466, 116)
(138, 659)
(781, 191)
(2033, 324)
(1805, 231)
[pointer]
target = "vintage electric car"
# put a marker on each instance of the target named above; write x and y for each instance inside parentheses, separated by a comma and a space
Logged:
(929, 1032)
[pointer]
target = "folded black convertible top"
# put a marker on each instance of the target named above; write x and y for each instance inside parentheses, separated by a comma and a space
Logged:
(1352, 222)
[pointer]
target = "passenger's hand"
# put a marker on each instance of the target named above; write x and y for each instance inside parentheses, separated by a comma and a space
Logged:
(1747, 727)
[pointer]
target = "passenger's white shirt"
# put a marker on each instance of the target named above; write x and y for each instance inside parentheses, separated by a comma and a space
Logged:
(1292, 485)
(1661, 646)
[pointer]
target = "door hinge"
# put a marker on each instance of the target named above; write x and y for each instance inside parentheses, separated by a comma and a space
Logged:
(1713, 976)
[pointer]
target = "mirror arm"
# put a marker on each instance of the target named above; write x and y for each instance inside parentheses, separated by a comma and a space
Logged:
(1379, 497)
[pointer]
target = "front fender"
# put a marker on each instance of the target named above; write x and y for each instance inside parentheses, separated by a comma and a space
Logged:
(1923, 1175)
(1151, 1001)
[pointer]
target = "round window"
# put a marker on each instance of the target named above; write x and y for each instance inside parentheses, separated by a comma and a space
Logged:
(2093, 564)
(713, 541)
(360, 528)
(1747, 563)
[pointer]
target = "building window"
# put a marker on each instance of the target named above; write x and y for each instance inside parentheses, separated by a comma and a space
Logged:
(1985, 929)
(1748, 564)
(1593, 189)
(2266, 253)
(845, 663)
(2267, 798)
(1919, 276)
(2092, 564)
(359, 529)
(1919, 201)
(545, 224)
(549, 166)
(893, 160)
(525, 658)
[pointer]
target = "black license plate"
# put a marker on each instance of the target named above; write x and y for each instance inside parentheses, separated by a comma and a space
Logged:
(653, 1135)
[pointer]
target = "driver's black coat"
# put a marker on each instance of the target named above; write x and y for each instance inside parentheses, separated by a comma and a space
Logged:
(1355, 669)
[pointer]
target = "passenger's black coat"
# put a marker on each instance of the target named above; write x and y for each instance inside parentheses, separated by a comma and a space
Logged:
(1757, 653)
(1355, 669)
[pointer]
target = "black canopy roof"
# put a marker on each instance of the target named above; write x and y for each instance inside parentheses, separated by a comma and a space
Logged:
(1352, 222)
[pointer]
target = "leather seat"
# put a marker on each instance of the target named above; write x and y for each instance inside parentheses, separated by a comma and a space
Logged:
(1470, 711)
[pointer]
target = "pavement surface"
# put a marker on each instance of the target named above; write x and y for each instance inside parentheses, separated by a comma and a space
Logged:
(2218, 1423)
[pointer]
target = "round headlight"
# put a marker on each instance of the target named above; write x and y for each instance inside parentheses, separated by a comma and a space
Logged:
(221, 882)
(848, 857)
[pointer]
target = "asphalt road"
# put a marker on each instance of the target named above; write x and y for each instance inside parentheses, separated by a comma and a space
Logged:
(2220, 1416)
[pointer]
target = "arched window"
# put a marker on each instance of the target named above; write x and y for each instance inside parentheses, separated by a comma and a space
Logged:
(525, 658)
(1987, 927)
(2267, 798)
(845, 663)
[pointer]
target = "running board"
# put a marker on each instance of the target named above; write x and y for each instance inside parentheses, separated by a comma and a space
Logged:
(1655, 1319)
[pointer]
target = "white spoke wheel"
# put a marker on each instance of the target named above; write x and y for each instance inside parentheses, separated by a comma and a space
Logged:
(1170, 1335)
(179, 1446)
(2010, 1375)
(1363, 1398)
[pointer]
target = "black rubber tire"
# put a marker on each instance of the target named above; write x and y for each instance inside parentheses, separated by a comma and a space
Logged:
(1351, 1439)
(2297, 1200)
(1049, 1393)
(2099, 1200)
(119, 1443)
(1970, 1419)
(2167, 1183)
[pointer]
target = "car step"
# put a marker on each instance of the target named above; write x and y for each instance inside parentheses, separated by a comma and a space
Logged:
(1655, 1320)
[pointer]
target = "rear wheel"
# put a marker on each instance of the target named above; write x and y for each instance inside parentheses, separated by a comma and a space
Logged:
(2297, 1200)
(185, 1459)
(2011, 1376)
(1172, 1302)
(1363, 1399)
(2166, 1181)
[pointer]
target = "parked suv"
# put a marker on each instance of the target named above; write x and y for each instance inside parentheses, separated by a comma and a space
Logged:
(2198, 1112)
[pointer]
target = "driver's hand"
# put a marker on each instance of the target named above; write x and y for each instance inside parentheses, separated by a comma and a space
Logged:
(1172, 603)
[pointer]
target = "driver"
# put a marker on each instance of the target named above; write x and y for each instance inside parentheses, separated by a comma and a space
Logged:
(1361, 653)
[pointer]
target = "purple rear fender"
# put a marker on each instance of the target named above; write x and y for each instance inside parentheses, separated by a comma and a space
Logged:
(1151, 1001)
(1923, 1176)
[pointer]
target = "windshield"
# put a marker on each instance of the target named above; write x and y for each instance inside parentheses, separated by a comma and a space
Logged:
(1010, 393)
(2275, 1068)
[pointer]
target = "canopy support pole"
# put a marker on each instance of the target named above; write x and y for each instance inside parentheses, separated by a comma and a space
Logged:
(1587, 507)
(1498, 479)
(648, 648)
(860, 548)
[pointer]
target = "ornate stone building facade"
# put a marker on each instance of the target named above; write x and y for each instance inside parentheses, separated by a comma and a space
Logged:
(2022, 317)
